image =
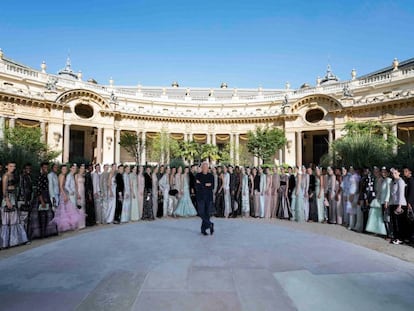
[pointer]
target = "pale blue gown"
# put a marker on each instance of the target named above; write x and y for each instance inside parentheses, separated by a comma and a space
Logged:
(185, 207)
(299, 213)
(375, 223)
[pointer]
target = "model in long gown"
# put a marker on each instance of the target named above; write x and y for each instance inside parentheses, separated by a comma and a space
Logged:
(245, 195)
(126, 203)
(80, 183)
(319, 199)
(185, 207)
(219, 197)
(134, 195)
(375, 223)
(67, 215)
(268, 196)
(275, 195)
(300, 198)
(111, 200)
(12, 230)
(283, 210)
(141, 185)
(331, 196)
(148, 212)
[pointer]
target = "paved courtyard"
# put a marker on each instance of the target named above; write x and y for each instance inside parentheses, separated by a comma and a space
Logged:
(168, 265)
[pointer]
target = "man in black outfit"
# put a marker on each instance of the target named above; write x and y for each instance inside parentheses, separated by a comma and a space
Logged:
(120, 187)
(204, 182)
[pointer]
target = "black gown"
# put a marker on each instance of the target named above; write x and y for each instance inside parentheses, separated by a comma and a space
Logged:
(89, 201)
(147, 213)
(219, 203)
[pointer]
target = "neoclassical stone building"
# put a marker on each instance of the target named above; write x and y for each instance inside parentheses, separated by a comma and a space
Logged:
(85, 119)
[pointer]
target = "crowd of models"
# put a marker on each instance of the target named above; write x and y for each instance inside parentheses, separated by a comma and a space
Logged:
(71, 197)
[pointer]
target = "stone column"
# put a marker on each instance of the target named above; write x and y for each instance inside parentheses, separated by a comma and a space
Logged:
(108, 146)
(299, 148)
(168, 149)
(255, 161)
(144, 148)
(330, 136)
(66, 142)
(43, 130)
(12, 122)
(117, 146)
(185, 137)
(394, 130)
(280, 157)
(190, 136)
(213, 139)
(2, 125)
(236, 148)
(99, 145)
(208, 138)
(231, 148)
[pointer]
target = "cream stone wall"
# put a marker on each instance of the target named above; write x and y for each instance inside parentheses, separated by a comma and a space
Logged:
(28, 94)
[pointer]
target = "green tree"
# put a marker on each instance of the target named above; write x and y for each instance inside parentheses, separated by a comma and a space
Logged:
(364, 144)
(265, 141)
(209, 152)
(29, 140)
(225, 154)
(190, 150)
(24, 145)
(163, 147)
(245, 157)
(132, 143)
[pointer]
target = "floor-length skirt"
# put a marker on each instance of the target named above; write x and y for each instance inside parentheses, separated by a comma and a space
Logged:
(126, 210)
(375, 223)
(134, 208)
(68, 216)
(299, 207)
(339, 210)
(252, 205)
(274, 204)
(359, 225)
(245, 204)
(267, 205)
(12, 231)
(333, 215)
(313, 207)
(147, 213)
(154, 203)
(283, 210)
(219, 203)
(110, 213)
(306, 206)
(320, 206)
(185, 207)
(227, 203)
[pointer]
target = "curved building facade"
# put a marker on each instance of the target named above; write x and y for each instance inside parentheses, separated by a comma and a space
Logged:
(86, 119)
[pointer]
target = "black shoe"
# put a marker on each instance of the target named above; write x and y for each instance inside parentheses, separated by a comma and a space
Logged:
(204, 233)
(211, 228)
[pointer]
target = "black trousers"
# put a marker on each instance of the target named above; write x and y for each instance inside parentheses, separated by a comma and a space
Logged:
(118, 210)
(204, 212)
(398, 222)
(387, 221)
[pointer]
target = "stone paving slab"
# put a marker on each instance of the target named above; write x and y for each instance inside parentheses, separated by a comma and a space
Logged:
(117, 291)
(169, 265)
